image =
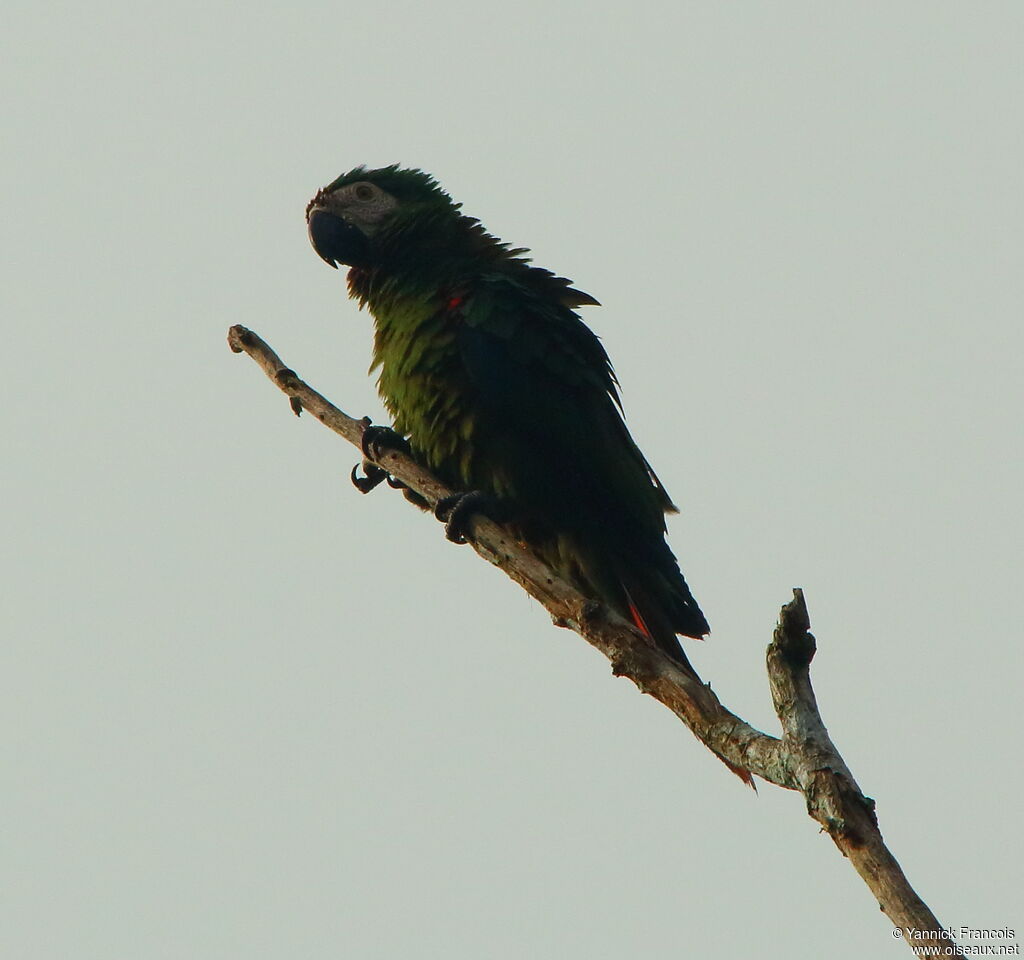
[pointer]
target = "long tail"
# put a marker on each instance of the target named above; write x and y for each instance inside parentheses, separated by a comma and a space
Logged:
(667, 641)
(662, 608)
(648, 589)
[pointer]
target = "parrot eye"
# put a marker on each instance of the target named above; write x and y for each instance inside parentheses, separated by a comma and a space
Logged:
(363, 191)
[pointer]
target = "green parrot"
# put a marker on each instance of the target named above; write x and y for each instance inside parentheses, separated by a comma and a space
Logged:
(504, 393)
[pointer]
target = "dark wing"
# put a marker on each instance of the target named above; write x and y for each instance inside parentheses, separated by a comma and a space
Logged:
(548, 389)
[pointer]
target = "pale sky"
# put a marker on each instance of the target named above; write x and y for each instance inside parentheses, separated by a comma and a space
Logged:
(249, 713)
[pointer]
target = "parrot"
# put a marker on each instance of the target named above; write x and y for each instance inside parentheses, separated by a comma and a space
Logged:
(496, 385)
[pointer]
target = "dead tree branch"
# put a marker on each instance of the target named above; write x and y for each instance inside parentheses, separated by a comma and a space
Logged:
(804, 759)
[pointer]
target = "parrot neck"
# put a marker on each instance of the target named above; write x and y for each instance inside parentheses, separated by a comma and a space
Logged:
(419, 256)
(420, 262)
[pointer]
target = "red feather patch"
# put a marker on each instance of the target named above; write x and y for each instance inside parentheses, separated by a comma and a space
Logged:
(638, 620)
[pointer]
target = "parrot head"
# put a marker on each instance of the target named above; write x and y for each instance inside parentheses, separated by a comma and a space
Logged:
(347, 218)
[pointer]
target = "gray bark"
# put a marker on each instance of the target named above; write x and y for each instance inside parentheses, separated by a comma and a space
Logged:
(802, 759)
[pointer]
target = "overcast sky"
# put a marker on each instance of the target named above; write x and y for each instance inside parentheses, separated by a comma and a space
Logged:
(249, 713)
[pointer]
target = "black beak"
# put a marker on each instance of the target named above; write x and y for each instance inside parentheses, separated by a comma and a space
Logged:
(335, 239)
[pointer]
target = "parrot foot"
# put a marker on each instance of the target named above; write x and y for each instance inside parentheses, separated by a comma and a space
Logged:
(378, 439)
(456, 512)
(374, 442)
(411, 495)
(373, 476)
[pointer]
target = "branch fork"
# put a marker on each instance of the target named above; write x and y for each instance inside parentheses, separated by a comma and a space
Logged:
(803, 759)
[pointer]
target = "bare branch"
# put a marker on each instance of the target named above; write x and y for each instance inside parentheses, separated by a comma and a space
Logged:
(833, 797)
(804, 759)
(629, 651)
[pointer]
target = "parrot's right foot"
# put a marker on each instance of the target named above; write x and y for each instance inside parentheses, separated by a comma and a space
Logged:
(456, 512)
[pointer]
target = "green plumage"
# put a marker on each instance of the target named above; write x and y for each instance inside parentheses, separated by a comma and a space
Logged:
(486, 367)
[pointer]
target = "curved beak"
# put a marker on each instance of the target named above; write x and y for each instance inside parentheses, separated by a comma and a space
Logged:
(334, 238)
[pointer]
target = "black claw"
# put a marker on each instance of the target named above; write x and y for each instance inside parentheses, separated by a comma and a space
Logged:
(415, 499)
(376, 440)
(457, 512)
(374, 477)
